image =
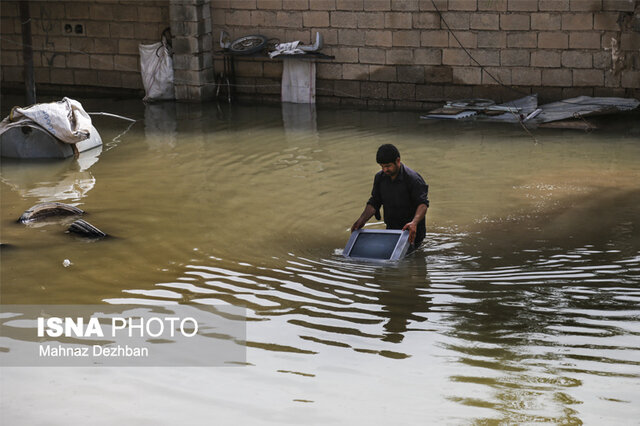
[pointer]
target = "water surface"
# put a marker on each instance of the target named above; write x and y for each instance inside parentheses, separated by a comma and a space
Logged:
(521, 305)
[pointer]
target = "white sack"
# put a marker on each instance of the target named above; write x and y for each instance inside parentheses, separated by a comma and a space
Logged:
(66, 120)
(156, 66)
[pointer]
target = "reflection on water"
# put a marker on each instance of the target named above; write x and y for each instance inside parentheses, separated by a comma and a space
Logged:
(521, 306)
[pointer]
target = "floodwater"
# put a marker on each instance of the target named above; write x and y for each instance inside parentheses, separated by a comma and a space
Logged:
(522, 305)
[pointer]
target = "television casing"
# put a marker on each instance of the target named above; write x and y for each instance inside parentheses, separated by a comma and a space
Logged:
(397, 252)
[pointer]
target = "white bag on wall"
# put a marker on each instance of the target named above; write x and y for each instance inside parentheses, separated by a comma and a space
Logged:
(156, 66)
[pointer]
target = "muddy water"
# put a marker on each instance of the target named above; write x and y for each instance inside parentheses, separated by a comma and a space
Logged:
(521, 306)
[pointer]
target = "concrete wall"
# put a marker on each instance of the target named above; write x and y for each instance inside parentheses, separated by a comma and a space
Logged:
(401, 54)
(396, 53)
(105, 55)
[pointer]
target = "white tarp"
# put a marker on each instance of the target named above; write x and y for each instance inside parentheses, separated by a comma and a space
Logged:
(66, 120)
(156, 67)
(299, 81)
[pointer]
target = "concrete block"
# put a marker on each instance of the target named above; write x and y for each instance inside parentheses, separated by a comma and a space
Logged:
(85, 77)
(377, 6)
(427, 5)
(546, 21)
(272, 69)
(492, 5)
(584, 40)
(429, 92)
(515, 22)
(522, 39)
(585, 5)
(491, 74)
(577, 59)
(522, 5)
(125, 13)
(110, 78)
(546, 58)
(383, 73)
(492, 39)
(344, 19)
(466, 75)
(147, 32)
(398, 20)
(56, 76)
(294, 34)
(630, 79)
(602, 60)
(243, 4)
(101, 62)
(400, 56)
(426, 20)
(526, 76)
(458, 92)
(371, 20)
(351, 37)
(558, 77)
(577, 21)
(131, 81)
(434, 38)
(619, 5)
(76, 10)
(346, 89)
(487, 57)
(465, 39)
(288, 19)
(238, 17)
(402, 91)
(457, 20)
(346, 54)
(630, 41)
(588, 77)
(100, 12)
(606, 21)
(128, 47)
(10, 58)
(322, 5)
(268, 86)
(378, 38)
(553, 40)
(515, 58)
(612, 79)
(295, 4)
(263, 18)
(126, 63)
(404, 5)
(484, 21)
(350, 5)
(427, 56)
(355, 72)
(467, 5)
(410, 74)
(329, 71)
(120, 30)
(406, 38)
(553, 5)
(152, 14)
(455, 57)
(315, 19)
(371, 55)
(373, 90)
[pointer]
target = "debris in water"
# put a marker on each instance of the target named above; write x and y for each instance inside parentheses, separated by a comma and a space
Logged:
(85, 229)
(66, 263)
(44, 210)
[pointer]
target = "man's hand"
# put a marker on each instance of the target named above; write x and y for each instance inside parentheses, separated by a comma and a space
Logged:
(369, 210)
(358, 224)
(412, 227)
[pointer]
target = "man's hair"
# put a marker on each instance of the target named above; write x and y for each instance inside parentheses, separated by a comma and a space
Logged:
(387, 153)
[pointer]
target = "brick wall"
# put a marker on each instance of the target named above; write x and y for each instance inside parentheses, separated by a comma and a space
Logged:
(396, 53)
(105, 55)
(401, 53)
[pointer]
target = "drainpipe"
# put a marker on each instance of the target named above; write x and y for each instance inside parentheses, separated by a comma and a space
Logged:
(27, 53)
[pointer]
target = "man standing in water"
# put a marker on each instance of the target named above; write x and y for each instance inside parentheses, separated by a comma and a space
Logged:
(402, 192)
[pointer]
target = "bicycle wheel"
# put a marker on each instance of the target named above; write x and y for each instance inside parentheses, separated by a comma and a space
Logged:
(248, 44)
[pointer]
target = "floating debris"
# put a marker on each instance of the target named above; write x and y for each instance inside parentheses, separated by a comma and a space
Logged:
(66, 263)
(45, 210)
(85, 229)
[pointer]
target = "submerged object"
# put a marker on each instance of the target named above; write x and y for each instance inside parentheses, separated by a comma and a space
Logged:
(49, 130)
(85, 229)
(31, 141)
(377, 244)
(44, 210)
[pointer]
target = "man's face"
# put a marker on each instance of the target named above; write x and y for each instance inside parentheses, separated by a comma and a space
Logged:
(391, 169)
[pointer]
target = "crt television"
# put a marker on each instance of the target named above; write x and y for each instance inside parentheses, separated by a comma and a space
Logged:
(377, 244)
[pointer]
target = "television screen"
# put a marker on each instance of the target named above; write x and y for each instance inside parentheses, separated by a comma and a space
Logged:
(377, 244)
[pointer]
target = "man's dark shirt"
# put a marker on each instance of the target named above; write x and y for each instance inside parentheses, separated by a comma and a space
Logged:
(400, 197)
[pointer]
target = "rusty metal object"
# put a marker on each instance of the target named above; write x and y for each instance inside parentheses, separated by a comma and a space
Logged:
(46, 210)
(85, 229)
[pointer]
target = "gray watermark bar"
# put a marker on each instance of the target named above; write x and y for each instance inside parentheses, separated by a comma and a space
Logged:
(122, 335)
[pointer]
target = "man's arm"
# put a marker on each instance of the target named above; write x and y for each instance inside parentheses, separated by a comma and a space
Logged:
(412, 226)
(369, 211)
